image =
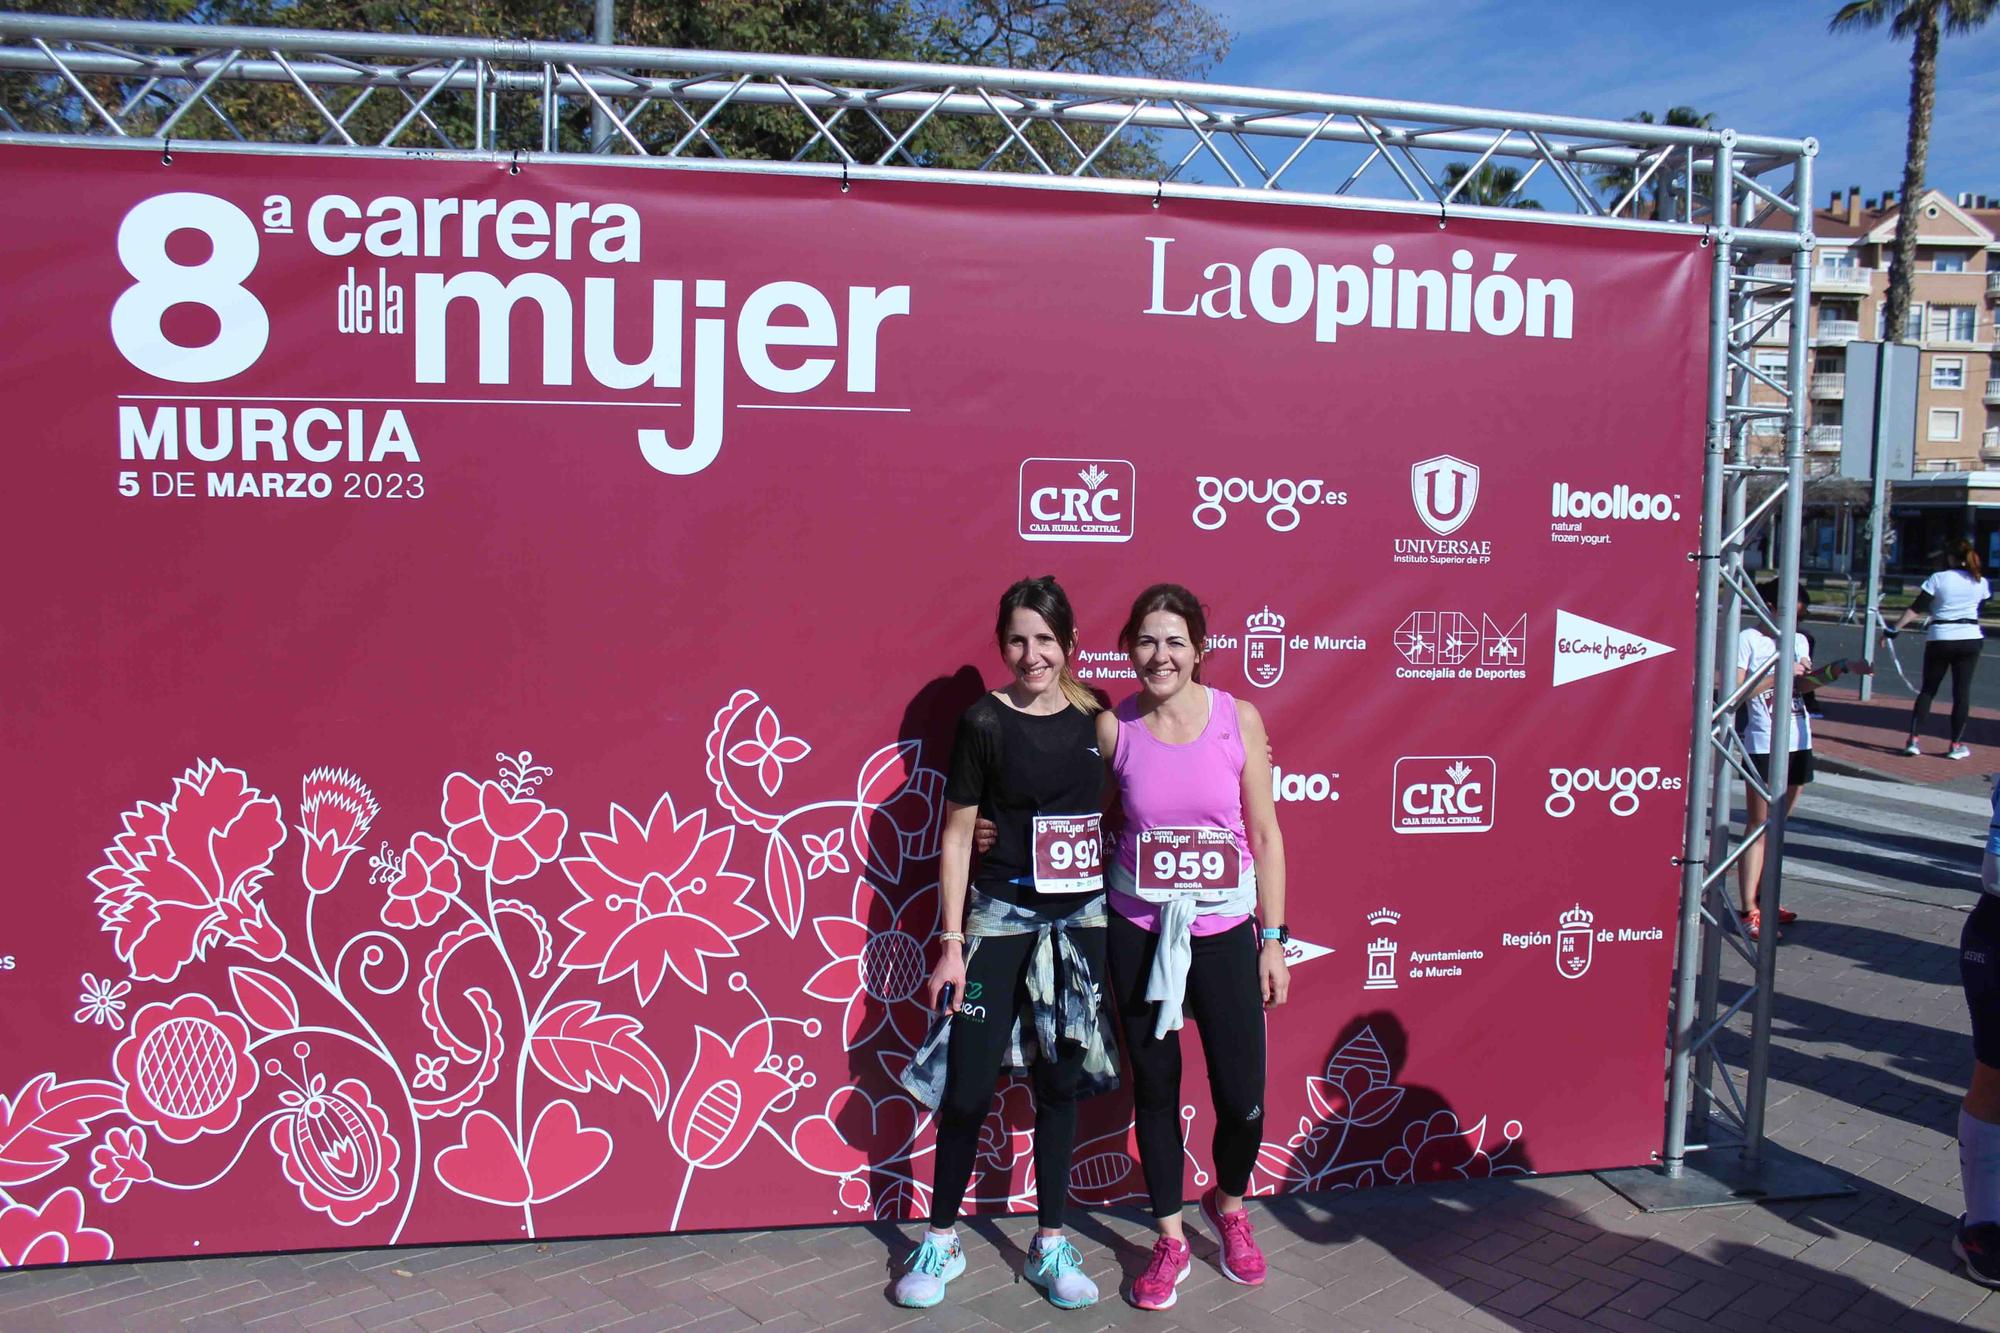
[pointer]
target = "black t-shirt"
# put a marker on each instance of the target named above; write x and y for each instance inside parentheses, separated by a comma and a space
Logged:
(1014, 766)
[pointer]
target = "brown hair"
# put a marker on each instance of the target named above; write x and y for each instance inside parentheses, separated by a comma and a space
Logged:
(1045, 598)
(1176, 600)
(1961, 554)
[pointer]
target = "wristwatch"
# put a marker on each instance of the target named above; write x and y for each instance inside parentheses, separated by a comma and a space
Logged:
(1281, 933)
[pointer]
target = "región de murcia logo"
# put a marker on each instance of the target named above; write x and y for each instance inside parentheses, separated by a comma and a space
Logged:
(1265, 643)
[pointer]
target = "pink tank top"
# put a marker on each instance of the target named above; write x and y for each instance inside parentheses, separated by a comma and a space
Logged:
(1161, 785)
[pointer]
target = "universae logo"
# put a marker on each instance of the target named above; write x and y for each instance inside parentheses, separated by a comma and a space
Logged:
(1444, 489)
(1077, 500)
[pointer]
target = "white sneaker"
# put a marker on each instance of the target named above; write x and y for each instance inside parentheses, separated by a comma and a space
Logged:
(1959, 752)
(1056, 1267)
(934, 1263)
(1911, 749)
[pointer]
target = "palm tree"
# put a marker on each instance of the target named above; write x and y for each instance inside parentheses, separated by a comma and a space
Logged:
(1490, 186)
(1617, 181)
(1920, 20)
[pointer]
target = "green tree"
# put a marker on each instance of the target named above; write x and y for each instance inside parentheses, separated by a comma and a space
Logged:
(1653, 199)
(1159, 38)
(1922, 21)
(1490, 186)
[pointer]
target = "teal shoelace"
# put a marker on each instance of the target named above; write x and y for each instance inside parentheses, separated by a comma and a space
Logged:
(931, 1257)
(1058, 1259)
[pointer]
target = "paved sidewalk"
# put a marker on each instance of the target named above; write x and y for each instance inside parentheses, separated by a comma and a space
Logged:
(1868, 1058)
(1867, 740)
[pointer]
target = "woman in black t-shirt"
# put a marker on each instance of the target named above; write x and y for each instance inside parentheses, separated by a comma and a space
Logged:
(1019, 980)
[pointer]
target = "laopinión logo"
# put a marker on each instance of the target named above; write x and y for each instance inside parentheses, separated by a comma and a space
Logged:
(1443, 794)
(1077, 500)
(1445, 491)
(1621, 788)
(1281, 498)
(1442, 645)
(1573, 513)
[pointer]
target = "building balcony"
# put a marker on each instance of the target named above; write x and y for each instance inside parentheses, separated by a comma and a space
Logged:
(1843, 278)
(1992, 395)
(1771, 272)
(1836, 332)
(1989, 441)
(1823, 439)
(1993, 285)
(1828, 386)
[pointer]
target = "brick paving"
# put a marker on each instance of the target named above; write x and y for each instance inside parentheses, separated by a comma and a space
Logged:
(1869, 1055)
(1867, 739)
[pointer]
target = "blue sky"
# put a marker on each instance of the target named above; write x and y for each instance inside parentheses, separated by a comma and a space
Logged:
(1762, 66)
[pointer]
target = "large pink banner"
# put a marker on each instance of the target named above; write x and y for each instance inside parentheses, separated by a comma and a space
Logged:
(482, 648)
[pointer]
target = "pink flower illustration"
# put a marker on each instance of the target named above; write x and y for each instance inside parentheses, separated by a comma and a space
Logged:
(119, 1163)
(656, 896)
(499, 827)
(335, 1145)
(51, 1234)
(186, 1068)
(182, 875)
(422, 883)
(335, 810)
(768, 752)
(1438, 1149)
(824, 854)
(878, 966)
(727, 1094)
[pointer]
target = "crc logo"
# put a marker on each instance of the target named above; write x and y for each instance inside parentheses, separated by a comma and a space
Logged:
(1444, 490)
(1443, 794)
(1620, 785)
(1077, 500)
(1620, 502)
(1303, 786)
(1281, 499)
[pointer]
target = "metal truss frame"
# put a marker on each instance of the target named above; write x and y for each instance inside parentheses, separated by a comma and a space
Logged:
(169, 87)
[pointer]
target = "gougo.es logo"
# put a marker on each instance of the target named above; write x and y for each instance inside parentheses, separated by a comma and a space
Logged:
(1620, 786)
(1281, 497)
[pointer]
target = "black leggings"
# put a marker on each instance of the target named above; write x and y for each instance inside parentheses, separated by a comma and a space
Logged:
(996, 989)
(1959, 657)
(1225, 999)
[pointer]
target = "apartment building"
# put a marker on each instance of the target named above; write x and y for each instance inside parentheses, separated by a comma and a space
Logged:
(1955, 294)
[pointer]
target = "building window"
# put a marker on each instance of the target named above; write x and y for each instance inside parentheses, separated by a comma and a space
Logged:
(1948, 372)
(1954, 323)
(1944, 423)
(1913, 322)
(1948, 261)
(1773, 365)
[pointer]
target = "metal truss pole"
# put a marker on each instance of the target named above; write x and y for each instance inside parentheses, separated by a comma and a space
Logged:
(1701, 755)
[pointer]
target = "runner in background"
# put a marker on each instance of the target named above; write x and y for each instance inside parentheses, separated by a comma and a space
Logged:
(1977, 1239)
(1018, 982)
(1757, 655)
(1198, 852)
(1952, 640)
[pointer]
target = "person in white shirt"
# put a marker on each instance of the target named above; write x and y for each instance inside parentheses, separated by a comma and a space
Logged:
(1952, 641)
(1757, 656)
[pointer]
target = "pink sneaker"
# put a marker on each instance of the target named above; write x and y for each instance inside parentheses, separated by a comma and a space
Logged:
(1166, 1270)
(1242, 1261)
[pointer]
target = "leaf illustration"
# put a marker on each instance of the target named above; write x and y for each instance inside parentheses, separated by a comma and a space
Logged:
(784, 884)
(577, 1046)
(265, 1000)
(1376, 1105)
(44, 1119)
(1279, 1163)
(884, 774)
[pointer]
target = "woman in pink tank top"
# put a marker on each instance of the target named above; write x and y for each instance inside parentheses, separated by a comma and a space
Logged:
(1199, 852)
